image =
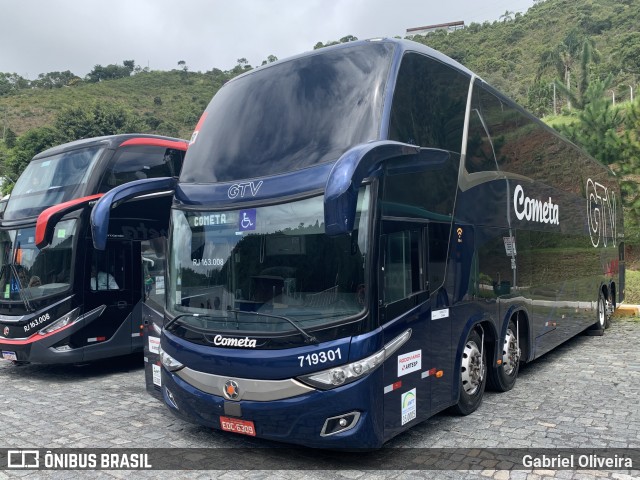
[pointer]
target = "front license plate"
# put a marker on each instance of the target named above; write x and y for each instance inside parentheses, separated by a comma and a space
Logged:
(9, 355)
(245, 427)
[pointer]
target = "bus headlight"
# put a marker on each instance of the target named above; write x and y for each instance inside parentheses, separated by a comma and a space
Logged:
(344, 374)
(64, 321)
(169, 362)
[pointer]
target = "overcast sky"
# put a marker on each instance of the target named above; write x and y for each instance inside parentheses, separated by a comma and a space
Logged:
(40, 36)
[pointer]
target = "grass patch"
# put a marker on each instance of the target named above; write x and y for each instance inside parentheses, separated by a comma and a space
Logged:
(632, 287)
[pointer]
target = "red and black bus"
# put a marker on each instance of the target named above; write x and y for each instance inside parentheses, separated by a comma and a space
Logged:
(62, 301)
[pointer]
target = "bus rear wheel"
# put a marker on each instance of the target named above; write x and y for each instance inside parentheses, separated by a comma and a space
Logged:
(503, 378)
(602, 317)
(473, 378)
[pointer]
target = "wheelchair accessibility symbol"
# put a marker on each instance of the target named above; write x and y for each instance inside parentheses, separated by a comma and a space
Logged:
(247, 220)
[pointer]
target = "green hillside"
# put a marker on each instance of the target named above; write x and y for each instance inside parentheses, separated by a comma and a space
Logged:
(507, 53)
(169, 102)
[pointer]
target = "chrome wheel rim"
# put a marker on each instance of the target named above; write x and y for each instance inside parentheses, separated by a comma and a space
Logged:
(601, 312)
(472, 369)
(510, 355)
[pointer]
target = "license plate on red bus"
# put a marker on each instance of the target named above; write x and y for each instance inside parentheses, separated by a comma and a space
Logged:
(9, 355)
(245, 427)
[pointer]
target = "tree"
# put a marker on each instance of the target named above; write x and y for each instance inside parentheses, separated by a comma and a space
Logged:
(12, 82)
(55, 79)
(597, 125)
(10, 138)
(345, 39)
(129, 65)
(628, 52)
(241, 67)
(348, 38)
(506, 16)
(96, 120)
(563, 59)
(270, 59)
(110, 72)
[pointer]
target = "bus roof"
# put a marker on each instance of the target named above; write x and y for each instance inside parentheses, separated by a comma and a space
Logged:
(112, 141)
(402, 46)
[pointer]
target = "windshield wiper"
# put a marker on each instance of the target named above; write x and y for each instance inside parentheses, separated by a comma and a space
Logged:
(195, 315)
(176, 318)
(308, 338)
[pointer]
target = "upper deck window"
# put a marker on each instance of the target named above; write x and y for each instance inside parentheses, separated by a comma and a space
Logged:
(292, 115)
(428, 104)
(140, 162)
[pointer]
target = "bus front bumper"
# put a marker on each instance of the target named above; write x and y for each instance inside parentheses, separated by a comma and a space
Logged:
(307, 419)
(40, 349)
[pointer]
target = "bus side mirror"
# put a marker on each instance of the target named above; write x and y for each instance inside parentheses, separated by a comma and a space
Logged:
(362, 161)
(341, 191)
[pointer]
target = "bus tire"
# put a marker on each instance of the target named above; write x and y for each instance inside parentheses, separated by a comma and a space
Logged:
(609, 307)
(472, 377)
(597, 329)
(503, 378)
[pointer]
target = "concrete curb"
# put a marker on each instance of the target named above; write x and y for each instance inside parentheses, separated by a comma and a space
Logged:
(627, 309)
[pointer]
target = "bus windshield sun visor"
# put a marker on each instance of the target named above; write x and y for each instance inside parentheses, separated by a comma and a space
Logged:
(341, 192)
(48, 219)
(101, 213)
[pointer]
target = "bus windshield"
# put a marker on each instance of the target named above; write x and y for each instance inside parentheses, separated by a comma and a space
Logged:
(244, 270)
(50, 181)
(27, 273)
(291, 115)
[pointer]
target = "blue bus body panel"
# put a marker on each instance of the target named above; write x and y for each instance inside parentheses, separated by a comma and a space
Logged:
(289, 185)
(101, 212)
(255, 364)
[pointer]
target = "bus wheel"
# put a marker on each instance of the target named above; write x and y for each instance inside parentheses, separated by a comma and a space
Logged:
(597, 329)
(473, 368)
(608, 310)
(503, 378)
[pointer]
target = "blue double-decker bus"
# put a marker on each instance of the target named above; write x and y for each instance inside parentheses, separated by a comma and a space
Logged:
(366, 235)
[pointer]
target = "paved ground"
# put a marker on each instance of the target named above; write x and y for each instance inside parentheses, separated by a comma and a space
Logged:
(586, 393)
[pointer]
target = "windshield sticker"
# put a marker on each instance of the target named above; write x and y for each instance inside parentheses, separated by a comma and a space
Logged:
(409, 406)
(160, 285)
(247, 220)
(7, 292)
(409, 362)
(62, 233)
(206, 220)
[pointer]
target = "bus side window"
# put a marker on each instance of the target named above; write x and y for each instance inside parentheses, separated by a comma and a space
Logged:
(401, 265)
(107, 270)
(438, 248)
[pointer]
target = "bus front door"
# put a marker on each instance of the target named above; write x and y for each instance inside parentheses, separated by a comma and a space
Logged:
(111, 286)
